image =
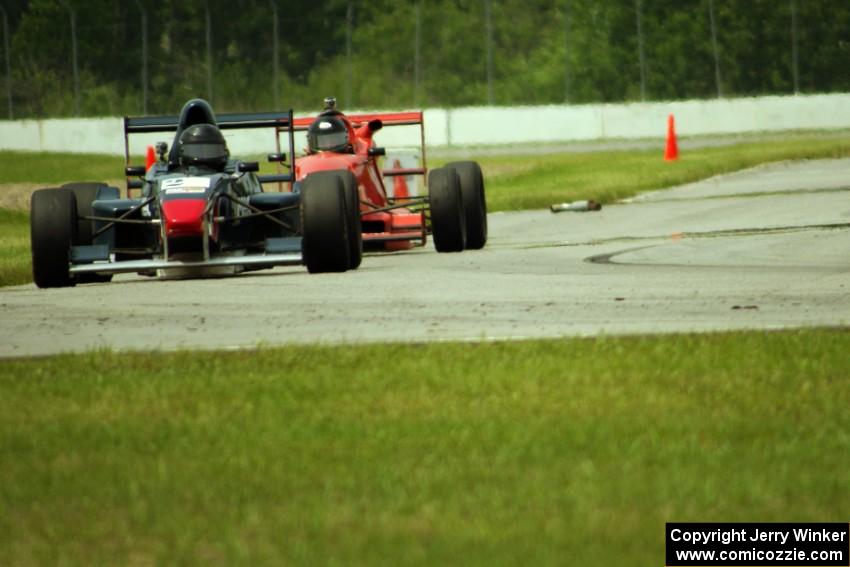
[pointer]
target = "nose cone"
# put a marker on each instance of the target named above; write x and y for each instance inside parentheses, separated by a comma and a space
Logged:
(182, 217)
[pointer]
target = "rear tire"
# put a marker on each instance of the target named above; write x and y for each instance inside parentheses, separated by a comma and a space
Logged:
(324, 224)
(474, 202)
(85, 194)
(448, 221)
(53, 230)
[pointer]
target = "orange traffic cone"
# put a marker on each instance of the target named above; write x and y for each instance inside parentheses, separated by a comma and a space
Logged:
(400, 189)
(671, 152)
(150, 158)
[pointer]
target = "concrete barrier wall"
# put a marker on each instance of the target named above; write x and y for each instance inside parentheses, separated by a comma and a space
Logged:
(487, 125)
(82, 135)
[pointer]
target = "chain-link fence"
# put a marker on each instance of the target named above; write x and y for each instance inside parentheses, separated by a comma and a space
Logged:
(108, 57)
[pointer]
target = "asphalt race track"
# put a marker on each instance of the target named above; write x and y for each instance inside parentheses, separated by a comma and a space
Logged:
(768, 248)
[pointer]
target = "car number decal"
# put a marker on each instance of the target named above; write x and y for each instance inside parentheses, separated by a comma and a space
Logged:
(185, 185)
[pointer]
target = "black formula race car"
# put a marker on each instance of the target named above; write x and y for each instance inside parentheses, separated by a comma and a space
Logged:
(196, 212)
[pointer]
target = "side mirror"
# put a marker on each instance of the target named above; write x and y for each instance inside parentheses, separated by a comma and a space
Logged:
(248, 167)
(277, 158)
(135, 171)
(377, 152)
(375, 125)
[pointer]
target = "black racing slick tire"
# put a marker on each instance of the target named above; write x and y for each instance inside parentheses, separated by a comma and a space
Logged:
(85, 194)
(474, 202)
(352, 212)
(53, 230)
(324, 224)
(448, 220)
(355, 224)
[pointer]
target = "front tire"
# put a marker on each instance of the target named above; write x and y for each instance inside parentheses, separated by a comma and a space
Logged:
(324, 225)
(474, 202)
(448, 220)
(85, 194)
(53, 230)
(355, 223)
(352, 214)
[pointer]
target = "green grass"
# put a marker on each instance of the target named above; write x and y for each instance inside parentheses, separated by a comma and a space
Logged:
(534, 182)
(55, 169)
(15, 260)
(544, 452)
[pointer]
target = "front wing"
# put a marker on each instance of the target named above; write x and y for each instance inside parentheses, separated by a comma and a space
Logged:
(284, 251)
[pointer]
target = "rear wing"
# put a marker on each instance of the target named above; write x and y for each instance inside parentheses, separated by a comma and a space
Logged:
(282, 122)
(388, 119)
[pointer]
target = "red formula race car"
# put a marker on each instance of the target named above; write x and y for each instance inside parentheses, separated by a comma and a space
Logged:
(341, 152)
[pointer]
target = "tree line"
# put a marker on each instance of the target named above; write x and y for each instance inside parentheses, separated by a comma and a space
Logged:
(114, 57)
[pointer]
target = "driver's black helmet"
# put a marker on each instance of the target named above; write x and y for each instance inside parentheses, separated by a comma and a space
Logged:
(203, 144)
(328, 133)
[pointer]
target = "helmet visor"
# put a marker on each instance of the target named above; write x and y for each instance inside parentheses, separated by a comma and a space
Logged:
(204, 151)
(331, 140)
